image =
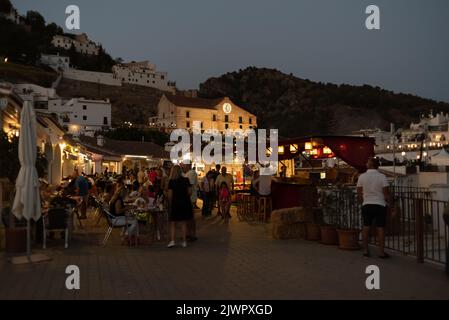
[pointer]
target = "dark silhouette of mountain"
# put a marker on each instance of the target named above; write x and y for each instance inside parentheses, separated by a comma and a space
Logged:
(302, 107)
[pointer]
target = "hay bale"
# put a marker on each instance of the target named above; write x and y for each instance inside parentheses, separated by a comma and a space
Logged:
(291, 231)
(287, 215)
(292, 215)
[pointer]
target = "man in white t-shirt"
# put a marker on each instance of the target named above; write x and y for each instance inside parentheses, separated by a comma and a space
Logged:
(373, 190)
(262, 184)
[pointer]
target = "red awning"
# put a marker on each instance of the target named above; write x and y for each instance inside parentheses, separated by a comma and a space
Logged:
(355, 151)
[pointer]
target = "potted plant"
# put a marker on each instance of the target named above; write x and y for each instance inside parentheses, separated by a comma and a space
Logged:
(349, 222)
(328, 228)
(313, 231)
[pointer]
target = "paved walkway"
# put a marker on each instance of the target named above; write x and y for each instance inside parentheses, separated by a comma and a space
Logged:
(238, 261)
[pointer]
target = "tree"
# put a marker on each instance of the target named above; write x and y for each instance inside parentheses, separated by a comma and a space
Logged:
(9, 161)
(5, 6)
(35, 20)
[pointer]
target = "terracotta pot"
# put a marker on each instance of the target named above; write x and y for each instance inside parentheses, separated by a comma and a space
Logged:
(313, 232)
(16, 240)
(348, 239)
(329, 234)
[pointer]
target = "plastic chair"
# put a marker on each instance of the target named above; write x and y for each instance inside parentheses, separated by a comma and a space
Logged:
(115, 223)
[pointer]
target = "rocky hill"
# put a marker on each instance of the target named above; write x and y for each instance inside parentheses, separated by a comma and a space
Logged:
(301, 107)
(129, 102)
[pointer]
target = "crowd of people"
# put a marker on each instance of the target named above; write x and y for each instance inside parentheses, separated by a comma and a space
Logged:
(174, 190)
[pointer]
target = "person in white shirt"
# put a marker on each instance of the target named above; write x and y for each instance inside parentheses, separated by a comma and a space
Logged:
(262, 184)
(373, 190)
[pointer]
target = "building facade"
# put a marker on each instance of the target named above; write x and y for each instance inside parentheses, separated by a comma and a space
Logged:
(143, 74)
(434, 127)
(37, 94)
(180, 112)
(55, 61)
(81, 42)
(82, 116)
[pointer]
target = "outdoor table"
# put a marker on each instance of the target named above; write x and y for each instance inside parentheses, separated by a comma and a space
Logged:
(156, 219)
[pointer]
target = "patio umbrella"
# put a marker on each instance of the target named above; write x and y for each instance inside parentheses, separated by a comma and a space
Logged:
(27, 199)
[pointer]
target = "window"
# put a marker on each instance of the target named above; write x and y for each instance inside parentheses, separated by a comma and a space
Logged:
(240, 120)
(250, 121)
(84, 107)
(84, 118)
(226, 118)
(241, 127)
(187, 114)
(214, 117)
(148, 81)
(163, 116)
(76, 116)
(162, 77)
(105, 120)
(226, 126)
(188, 124)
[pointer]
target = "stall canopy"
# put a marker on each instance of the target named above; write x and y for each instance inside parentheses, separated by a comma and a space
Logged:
(355, 151)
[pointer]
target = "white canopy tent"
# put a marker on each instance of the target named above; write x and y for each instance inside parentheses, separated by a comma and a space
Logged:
(441, 158)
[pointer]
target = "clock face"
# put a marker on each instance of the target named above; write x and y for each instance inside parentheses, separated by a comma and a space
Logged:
(227, 108)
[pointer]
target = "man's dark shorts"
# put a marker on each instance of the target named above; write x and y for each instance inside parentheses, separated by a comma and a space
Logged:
(374, 213)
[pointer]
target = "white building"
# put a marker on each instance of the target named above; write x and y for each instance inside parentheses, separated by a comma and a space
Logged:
(13, 16)
(383, 139)
(82, 116)
(434, 126)
(55, 61)
(39, 95)
(81, 42)
(143, 74)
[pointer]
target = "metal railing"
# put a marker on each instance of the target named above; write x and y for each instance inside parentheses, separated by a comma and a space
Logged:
(415, 223)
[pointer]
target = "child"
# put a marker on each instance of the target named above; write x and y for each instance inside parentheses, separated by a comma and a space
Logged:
(225, 201)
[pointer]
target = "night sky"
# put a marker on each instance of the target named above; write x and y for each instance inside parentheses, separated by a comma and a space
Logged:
(322, 40)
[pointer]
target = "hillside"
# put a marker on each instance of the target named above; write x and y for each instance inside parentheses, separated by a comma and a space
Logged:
(301, 107)
(129, 102)
(25, 43)
(18, 73)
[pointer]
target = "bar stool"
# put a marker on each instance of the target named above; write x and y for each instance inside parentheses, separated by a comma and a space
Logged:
(264, 208)
(249, 207)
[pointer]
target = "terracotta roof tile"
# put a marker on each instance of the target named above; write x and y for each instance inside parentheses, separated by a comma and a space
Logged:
(183, 101)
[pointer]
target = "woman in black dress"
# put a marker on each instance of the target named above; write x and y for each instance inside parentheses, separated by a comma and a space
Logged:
(179, 191)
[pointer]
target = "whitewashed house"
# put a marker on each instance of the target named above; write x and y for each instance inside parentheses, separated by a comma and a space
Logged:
(13, 15)
(37, 94)
(143, 74)
(55, 61)
(82, 116)
(81, 42)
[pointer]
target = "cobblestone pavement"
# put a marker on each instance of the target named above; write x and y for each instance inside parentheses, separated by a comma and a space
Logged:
(235, 261)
